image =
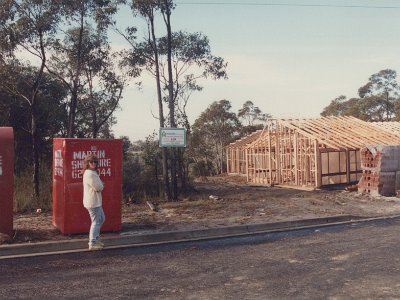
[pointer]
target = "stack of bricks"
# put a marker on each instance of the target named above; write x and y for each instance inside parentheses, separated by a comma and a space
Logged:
(380, 166)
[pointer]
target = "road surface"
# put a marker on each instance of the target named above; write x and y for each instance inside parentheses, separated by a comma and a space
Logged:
(359, 261)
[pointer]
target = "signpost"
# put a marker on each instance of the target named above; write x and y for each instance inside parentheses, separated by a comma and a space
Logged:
(172, 137)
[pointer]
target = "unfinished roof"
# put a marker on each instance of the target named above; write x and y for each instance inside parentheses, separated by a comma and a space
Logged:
(333, 132)
(246, 139)
(393, 127)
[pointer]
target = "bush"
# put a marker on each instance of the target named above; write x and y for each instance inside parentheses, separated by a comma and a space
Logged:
(202, 168)
(139, 180)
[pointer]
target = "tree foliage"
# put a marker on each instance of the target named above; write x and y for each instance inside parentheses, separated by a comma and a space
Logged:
(251, 113)
(216, 127)
(29, 33)
(378, 100)
(29, 26)
(83, 60)
(51, 116)
(99, 89)
(192, 60)
(383, 88)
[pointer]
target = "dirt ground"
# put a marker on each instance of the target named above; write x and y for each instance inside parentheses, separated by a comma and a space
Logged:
(221, 201)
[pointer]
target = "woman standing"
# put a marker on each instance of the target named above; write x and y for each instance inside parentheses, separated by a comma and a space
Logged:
(92, 201)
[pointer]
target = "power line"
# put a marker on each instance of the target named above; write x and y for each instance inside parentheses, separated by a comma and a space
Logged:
(287, 4)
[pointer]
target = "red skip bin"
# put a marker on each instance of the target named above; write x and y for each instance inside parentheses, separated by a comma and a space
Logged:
(69, 215)
(6, 179)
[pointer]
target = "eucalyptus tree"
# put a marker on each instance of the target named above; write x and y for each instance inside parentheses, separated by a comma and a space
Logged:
(166, 9)
(384, 86)
(27, 28)
(176, 60)
(74, 48)
(252, 113)
(96, 92)
(370, 108)
(145, 56)
(191, 60)
(217, 126)
(338, 107)
(378, 101)
(50, 118)
(187, 57)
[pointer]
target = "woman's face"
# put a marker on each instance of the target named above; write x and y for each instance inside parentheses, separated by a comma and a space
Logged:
(93, 164)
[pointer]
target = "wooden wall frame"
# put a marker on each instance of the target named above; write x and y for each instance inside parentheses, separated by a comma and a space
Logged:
(293, 152)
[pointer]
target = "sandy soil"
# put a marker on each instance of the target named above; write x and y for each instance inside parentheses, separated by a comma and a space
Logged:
(221, 201)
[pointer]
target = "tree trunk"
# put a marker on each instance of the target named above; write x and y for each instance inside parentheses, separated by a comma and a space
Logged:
(167, 192)
(156, 175)
(72, 113)
(95, 128)
(171, 103)
(34, 132)
(387, 107)
(36, 162)
(181, 169)
(74, 96)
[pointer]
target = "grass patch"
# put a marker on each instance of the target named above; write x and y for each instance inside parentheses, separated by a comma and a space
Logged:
(23, 190)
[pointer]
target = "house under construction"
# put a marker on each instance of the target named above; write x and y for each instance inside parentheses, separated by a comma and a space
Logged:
(306, 152)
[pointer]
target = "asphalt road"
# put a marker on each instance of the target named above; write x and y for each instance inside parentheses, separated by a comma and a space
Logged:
(359, 261)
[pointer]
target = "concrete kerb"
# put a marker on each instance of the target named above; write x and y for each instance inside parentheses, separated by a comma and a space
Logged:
(136, 240)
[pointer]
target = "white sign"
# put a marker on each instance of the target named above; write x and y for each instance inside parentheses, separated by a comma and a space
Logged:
(172, 137)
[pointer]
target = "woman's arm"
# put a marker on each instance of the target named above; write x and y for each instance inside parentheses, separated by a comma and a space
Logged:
(95, 182)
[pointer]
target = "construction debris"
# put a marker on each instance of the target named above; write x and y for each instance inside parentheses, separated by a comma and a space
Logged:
(4, 238)
(352, 188)
(151, 206)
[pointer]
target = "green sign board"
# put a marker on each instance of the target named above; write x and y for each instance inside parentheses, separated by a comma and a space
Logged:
(172, 137)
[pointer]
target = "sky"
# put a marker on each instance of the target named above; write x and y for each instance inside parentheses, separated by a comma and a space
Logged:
(290, 58)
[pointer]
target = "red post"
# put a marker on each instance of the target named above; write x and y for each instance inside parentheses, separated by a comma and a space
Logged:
(69, 215)
(6, 179)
